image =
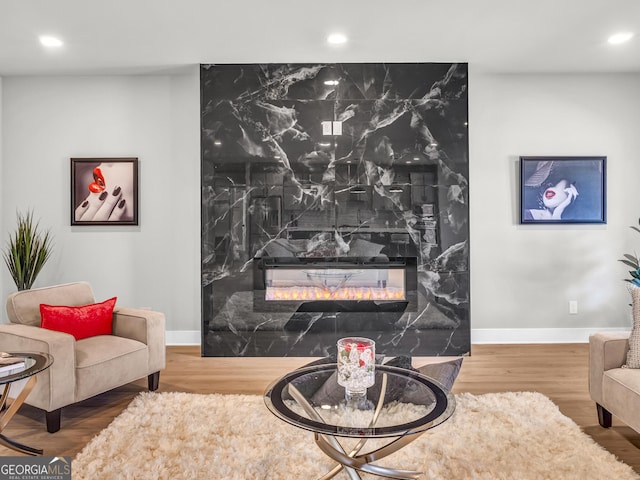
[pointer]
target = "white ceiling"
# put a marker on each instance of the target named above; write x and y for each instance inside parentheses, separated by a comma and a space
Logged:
(164, 36)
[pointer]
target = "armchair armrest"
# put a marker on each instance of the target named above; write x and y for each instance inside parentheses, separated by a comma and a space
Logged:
(146, 326)
(56, 385)
(606, 351)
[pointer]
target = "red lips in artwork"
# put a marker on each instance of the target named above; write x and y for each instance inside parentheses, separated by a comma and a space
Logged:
(98, 184)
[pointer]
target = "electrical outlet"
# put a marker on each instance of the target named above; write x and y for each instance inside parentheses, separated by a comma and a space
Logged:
(573, 307)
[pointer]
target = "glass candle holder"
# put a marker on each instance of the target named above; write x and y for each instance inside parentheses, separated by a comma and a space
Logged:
(356, 365)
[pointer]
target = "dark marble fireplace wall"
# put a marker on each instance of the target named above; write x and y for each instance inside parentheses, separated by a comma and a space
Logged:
(392, 183)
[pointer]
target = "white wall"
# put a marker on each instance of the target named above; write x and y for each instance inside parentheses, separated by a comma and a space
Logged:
(154, 118)
(521, 276)
(525, 275)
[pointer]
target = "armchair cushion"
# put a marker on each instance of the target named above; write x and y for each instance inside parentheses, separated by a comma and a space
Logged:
(80, 321)
(24, 306)
(108, 360)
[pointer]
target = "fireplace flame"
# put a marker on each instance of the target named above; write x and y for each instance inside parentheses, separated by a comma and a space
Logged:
(345, 293)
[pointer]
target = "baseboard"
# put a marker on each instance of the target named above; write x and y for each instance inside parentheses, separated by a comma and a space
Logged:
(183, 337)
(478, 335)
(536, 335)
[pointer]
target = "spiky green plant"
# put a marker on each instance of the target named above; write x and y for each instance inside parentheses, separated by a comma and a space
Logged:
(27, 251)
(632, 261)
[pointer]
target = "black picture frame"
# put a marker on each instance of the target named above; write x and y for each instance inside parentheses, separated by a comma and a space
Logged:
(562, 190)
(104, 191)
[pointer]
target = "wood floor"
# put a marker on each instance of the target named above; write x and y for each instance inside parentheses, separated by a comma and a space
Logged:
(559, 371)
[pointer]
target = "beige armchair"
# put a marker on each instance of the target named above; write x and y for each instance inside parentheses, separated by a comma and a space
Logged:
(615, 390)
(87, 367)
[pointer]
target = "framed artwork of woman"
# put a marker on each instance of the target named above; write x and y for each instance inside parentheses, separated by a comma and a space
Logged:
(562, 190)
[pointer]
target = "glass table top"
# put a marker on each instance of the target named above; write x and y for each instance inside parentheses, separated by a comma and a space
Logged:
(30, 364)
(400, 402)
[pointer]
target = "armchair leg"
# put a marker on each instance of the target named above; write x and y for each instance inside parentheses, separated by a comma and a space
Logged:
(153, 381)
(604, 416)
(53, 420)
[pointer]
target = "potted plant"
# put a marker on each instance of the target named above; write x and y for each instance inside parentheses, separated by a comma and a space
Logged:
(633, 261)
(27, 251)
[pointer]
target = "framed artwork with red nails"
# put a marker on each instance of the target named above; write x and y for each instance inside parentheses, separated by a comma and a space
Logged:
(104, 191)
(563, 190)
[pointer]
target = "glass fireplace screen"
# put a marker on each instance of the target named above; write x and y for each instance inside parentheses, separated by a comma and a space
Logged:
(284, 284)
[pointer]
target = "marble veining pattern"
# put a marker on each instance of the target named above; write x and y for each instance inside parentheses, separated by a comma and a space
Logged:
(394, 182)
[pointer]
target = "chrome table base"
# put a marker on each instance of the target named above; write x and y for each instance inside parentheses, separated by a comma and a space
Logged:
(352, 462)
(10, 411)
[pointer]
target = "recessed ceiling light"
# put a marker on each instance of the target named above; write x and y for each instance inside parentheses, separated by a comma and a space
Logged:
(416, 158)
(433, 144)
(217, 143)
(337, 38)
(621, 37)
(49, 41)
(407, 161)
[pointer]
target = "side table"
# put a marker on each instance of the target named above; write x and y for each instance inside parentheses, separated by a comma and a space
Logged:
(32, 364)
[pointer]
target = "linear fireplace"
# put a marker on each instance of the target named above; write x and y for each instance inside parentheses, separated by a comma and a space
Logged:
(334, 283)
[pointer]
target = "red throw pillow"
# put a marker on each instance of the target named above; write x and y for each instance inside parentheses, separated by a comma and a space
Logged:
(82, 321)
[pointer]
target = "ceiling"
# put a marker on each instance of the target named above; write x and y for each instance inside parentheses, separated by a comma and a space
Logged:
(167, 36)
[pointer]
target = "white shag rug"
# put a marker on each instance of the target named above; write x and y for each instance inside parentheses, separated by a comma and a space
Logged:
(489, 437)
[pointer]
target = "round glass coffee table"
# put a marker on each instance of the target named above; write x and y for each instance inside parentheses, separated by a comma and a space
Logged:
(28, 366)
(401, 405)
